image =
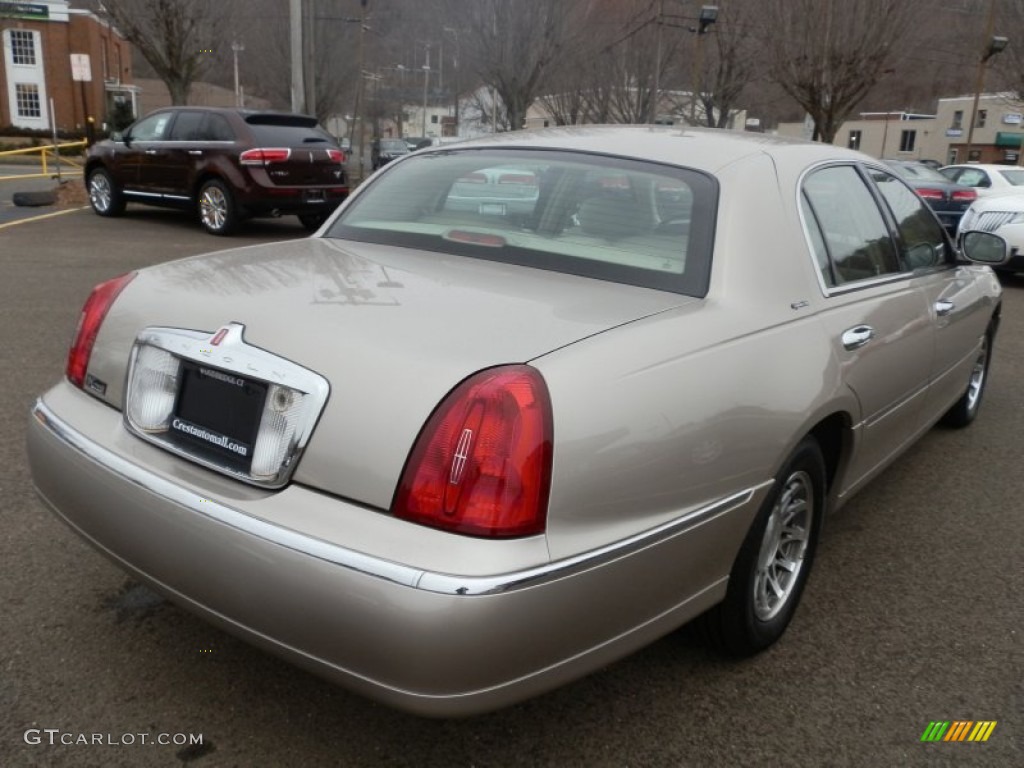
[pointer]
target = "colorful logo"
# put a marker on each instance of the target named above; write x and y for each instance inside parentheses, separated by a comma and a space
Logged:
(958, 730)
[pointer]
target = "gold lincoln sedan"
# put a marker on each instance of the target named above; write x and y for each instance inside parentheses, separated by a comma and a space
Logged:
(521, 405)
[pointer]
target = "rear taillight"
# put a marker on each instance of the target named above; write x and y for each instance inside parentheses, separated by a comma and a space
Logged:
(336, 155)
(518, 178)
(473, 178)
(482, 464)
(931, 194)
(264, 156)
(965, 196)
(95, 309)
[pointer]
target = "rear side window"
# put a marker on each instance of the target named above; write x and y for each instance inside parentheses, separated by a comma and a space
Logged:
(614, 219)
(186, 127)
(851, 225)
(217, 128)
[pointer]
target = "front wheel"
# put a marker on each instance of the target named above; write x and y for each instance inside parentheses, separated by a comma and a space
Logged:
(104, 193)
(772, 567)
(965, 410)
(217, 210)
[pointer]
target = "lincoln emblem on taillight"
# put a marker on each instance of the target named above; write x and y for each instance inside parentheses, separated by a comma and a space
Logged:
(461, 454)
(219, 337)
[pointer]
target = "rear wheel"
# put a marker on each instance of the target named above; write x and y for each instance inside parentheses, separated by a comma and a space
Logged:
(104, 193)
(965, 410)
(775, 560)
(312, 221)
(217, 210)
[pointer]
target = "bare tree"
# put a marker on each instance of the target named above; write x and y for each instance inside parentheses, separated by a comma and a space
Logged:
(176, 37)
(731, 64)
(514, 44)
(829, 54)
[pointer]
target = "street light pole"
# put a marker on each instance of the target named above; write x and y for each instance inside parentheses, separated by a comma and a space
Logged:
(426, 82)
(708, 16)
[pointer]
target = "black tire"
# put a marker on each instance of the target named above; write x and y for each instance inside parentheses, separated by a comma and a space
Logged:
(104, 193)
(34, 199)
(313, 221)
(218, 212)
(750, 619)
(965, 410)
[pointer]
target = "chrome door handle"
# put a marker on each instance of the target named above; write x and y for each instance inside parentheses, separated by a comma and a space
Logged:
(150, 151)
(944, 307)
(857, 337)
(195, 151)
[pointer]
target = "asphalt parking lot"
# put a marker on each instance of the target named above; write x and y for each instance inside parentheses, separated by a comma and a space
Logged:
(913, 613)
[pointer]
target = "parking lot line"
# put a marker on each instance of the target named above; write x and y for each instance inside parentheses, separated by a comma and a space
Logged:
(41, 217)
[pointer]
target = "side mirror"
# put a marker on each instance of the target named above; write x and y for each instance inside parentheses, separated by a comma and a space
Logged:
(984, 248)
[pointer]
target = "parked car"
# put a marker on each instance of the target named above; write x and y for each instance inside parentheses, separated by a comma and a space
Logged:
(948, 199)
(454, 458)
(1004, 216)
(987, 179)
(383, 151)
(225, 164)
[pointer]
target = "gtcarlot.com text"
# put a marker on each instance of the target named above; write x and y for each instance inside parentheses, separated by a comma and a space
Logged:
(56, 737)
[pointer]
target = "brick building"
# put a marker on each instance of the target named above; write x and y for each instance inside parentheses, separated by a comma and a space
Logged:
(48, 48)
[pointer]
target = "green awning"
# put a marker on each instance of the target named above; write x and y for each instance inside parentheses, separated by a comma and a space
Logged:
(1004, 139)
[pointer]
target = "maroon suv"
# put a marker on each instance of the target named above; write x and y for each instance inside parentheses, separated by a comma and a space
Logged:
(227, 164)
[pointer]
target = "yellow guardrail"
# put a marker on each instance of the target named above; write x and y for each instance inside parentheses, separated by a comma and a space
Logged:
(51, 160)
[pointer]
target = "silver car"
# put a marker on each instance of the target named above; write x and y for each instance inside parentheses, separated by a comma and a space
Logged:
(454, 455)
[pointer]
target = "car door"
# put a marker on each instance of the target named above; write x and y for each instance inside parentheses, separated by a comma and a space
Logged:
(148, 145)
(173, 172)
(953, 293)
(138, 140)
(873, 313)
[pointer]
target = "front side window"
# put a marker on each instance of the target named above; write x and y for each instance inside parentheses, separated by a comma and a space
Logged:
(1015, 176)
(852, 229)
(22, 46)
(152, 128)
(922, 240)
(613, 219)
(27, 100)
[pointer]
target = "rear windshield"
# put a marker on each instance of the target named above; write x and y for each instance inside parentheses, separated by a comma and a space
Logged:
(289, 135)
(394, 145)
(917, 172)
(608, 218)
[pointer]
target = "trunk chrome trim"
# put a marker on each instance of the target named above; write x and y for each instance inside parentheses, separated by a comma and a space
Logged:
(398, 573)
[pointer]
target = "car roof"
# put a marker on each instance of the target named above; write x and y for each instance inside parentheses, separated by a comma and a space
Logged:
(707, 149)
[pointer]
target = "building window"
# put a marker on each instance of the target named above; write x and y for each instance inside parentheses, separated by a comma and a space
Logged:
(982, 116)
(958, 120)
(433, 119)
(854, 141)
(23, 47)
(27, 100)
(907, 140)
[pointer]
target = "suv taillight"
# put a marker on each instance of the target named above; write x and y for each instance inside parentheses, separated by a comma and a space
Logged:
(931, 194)
(264, 156)
(482, 464)
(965, 195)
(93, 312)
(336, 155)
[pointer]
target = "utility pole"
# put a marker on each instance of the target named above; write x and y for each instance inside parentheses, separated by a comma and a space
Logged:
(652, 117)
(360, 88)
(236, 48)
(426, 81)
(308, 55)
(298, 87)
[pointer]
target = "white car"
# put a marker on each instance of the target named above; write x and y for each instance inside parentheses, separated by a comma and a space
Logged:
(987, 179)
(1003, 215)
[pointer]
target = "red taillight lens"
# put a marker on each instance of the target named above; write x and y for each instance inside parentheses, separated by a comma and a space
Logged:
(482, 464)
(473, 178)
(264, 156)
(95, 309)
(965, 195)
(931, 194)
(336, 155)
(518, 178)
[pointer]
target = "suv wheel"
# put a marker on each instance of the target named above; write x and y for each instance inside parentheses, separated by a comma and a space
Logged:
(217, 210)
(104, 193)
